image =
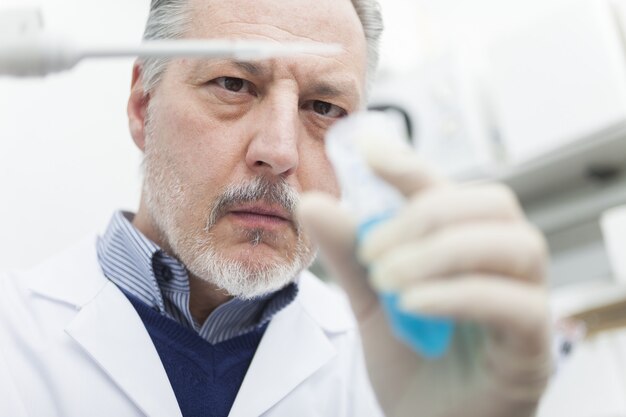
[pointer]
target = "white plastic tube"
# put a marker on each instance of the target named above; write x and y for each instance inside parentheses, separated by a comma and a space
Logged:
(372, 201)
(38, 55)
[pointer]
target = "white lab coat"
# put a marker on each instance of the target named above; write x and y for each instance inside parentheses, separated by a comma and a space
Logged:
(72, 345)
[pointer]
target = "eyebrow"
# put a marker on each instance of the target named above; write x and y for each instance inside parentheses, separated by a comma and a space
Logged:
(344, 88)
(251, 67)
(327, 90)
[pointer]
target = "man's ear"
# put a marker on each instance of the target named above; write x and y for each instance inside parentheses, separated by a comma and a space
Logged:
(137, 108)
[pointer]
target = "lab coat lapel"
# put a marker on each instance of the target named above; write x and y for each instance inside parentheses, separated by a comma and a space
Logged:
(293, 348)
(110, 331)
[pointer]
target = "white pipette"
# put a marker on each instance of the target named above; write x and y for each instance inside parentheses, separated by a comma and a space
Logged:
(32, 52)
(42, 56)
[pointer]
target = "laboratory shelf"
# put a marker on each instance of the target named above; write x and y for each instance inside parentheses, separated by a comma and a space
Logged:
(564, 192)
(598, 158)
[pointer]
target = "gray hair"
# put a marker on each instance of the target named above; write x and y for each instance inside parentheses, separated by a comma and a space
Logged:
(168, 19)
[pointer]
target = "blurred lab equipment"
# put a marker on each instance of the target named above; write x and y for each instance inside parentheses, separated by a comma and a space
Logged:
(401, 113)
(599, 306)
(27, 50)
(524, 99)
(613, 223)
(589, 381)
(559, 80)
(538, 104)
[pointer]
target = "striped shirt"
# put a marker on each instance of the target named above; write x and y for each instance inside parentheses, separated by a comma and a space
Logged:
(139, 267)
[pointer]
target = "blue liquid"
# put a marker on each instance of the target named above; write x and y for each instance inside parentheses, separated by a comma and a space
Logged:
(427, 336)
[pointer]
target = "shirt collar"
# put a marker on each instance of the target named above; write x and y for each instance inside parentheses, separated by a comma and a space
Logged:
(140, 267)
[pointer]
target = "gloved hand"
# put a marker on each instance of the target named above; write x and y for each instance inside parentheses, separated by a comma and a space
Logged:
(462, 252)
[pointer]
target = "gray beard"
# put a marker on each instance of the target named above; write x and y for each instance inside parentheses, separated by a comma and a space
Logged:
(165, 198)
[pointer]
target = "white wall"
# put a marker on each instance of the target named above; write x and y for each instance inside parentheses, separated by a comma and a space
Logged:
(418, 30)
(66, 158)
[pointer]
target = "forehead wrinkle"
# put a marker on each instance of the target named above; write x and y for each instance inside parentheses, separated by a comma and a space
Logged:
(261, 30)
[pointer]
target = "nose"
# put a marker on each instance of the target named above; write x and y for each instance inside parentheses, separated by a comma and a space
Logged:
(274, 148)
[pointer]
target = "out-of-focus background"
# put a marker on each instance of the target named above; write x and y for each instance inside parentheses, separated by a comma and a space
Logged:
(67, 160)
(529, 92)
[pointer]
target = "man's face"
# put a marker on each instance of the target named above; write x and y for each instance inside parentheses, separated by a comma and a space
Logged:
(229, 145)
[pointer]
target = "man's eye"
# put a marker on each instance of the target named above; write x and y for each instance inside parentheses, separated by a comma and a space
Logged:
(236, 85)
(327, 109)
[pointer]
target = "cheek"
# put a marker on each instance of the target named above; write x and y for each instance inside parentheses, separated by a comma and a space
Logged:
(204, 149)
(184, 126)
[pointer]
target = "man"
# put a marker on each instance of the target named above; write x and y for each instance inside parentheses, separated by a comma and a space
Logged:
(198, 303)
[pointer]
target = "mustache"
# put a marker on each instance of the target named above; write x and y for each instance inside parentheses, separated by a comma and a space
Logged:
(259, 189)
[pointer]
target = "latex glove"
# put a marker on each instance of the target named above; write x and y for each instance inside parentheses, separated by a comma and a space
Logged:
(462, 252)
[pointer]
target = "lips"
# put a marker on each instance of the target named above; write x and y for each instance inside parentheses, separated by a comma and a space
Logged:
(261, 216)
(263, 210)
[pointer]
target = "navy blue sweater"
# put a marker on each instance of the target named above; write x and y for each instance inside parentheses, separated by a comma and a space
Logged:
(205, 377)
